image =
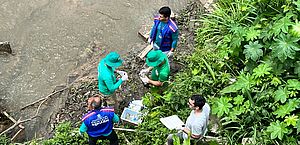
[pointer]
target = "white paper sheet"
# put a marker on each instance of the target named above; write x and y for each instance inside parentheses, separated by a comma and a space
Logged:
(171, 122)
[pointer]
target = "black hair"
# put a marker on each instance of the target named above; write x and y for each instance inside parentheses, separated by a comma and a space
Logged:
(96, 104)
(199, 101)
(165, 11)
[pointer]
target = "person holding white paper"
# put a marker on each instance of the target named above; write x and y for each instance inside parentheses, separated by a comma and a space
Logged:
(196, 123)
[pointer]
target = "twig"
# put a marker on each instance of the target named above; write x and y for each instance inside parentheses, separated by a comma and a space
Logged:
(48, 96)
(13, 138)
(45, 97)
(12, 119)
(16, 124)
(42, 100)
(25, 120)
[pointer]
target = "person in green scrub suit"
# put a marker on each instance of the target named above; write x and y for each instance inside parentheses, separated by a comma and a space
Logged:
(161, 68)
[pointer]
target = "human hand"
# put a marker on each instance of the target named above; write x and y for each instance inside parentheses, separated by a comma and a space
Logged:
(144, 71)
(124, 77)
(145, 80)
(179, 128)
(170, 54)
(149, 40)
(122, 73)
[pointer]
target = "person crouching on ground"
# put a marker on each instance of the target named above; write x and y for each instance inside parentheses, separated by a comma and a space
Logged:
(159, 64)
(196, 123)
(98, 123)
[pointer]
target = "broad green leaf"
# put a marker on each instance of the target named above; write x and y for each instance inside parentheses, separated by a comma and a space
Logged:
(285, 47)
(286, 109)
(227, 38)
(291, 120)
(262, 70)
(246, 105)
(297, 3)
(238, 100)
(236, 41)
(243, 83)
(298, 126)
(286, 8)
(222, 106)
(293, 84)
(234, 112)
(297, 68)
(235, 28)
(282, 25)
(277, 130)
(168, 96)
(282, 111)
(295, 31)
(252, 34)
(229, 89)
(294, 103)
(253, 50)
(275, 81)
(195, 71)
(281, 94)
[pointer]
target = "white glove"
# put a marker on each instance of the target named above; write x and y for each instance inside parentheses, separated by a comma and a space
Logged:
(179, 128)
(122, 73)
(144, 71)
(170, 54)
(145, 80)
(124, 77)
(149, 40)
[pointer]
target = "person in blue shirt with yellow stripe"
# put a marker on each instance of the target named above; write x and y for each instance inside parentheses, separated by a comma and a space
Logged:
(98, 123)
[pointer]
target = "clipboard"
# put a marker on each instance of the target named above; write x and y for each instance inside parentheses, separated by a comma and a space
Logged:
(172, 122)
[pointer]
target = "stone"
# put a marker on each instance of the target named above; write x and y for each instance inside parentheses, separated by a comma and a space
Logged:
(5, 47)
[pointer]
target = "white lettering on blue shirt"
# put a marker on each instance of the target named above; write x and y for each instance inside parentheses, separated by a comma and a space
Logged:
(99, 120)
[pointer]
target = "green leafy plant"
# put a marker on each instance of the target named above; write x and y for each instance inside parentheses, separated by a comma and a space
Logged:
(253, 51)
(277, 130)
(66, 134)
(285, 47)
(4, 140)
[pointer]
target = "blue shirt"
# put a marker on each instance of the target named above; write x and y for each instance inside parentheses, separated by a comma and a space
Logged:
(158, 37)
(98, 122)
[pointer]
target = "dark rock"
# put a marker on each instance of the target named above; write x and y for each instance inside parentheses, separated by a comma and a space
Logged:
(5, 47)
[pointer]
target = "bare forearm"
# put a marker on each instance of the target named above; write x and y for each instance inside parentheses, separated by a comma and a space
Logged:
(155, 83)
(187, 131)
